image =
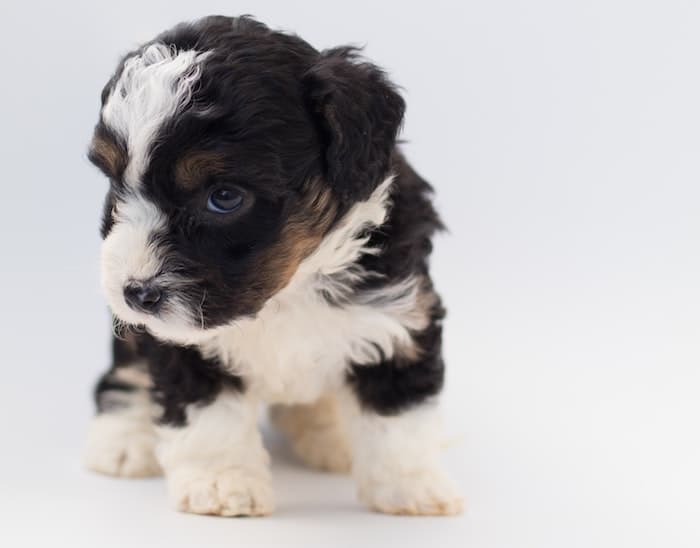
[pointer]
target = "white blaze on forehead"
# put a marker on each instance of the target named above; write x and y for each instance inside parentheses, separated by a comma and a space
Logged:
(153, 87)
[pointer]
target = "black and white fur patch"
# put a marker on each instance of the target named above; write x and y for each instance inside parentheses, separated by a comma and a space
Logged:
(308, 289)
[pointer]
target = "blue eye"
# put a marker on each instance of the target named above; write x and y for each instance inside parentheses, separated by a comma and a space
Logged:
(224, 200)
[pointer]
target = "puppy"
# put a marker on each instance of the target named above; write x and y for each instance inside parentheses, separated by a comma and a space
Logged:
(265, 242)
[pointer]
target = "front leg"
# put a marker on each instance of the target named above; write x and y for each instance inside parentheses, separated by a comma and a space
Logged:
(121, 440)
(396, 462)
(391, 415)
(210, 448)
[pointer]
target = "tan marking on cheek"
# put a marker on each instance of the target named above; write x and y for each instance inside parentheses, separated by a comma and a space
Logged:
(195, 168)
(108, 155)
(300, 237)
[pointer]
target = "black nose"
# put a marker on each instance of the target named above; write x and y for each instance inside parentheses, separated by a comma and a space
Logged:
(143, 296)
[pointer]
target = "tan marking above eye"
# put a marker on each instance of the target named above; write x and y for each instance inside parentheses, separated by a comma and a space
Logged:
(195, 168)
(108, 155)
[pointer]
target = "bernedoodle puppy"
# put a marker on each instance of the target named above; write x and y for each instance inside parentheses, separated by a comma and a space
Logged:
(265, 242)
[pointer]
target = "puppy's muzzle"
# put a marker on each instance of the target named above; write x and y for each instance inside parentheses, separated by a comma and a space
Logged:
(145, 296)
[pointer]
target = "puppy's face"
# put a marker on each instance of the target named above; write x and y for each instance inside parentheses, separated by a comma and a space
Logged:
(231, 150)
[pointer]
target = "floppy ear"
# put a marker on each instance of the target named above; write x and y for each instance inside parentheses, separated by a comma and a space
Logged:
(358, 113)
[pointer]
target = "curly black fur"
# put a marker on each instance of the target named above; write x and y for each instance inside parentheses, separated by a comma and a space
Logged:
(279, 114)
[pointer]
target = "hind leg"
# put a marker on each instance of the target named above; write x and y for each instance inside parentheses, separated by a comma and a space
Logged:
(315, 433)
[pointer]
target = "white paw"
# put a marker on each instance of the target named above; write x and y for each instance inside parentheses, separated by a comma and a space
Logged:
(228, 492)
(419, 493)
(122, 446)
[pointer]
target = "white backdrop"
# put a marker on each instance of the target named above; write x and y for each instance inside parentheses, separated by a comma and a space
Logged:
(562, 139)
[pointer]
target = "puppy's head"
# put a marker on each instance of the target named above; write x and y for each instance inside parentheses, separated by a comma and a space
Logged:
(231, 151)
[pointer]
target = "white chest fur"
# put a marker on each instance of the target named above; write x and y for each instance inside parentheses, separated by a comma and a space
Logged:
(299, 345)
